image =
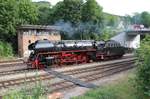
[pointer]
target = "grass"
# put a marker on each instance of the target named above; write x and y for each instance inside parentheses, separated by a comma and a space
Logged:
(29, 91)
(36, 92)
(6, 49)
(122, 89)
(7, 58)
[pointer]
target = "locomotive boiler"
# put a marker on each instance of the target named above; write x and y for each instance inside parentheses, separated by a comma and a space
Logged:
(46, 53)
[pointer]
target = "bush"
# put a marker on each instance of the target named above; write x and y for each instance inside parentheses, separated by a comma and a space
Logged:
(143, 69)
(122, 89)
(37, 92)
(101, 93)
(6, 49)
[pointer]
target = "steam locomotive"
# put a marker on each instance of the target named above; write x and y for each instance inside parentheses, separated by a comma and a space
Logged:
(46, 53)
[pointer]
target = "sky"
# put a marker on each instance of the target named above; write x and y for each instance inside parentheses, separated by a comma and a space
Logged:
(119, 7)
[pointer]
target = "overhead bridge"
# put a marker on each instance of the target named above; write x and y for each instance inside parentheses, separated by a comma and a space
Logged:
(131, 38)
(71, 79)
(138, 32)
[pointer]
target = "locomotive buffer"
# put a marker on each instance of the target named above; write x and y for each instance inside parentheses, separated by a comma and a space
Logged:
(71, 79)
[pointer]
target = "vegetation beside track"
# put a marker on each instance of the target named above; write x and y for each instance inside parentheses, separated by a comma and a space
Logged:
(143, 69)
(37, 92)
(6, 50)
(123, 88)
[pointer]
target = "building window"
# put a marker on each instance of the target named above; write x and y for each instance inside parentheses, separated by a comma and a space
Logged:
(54, 33)
(29, 41)
(39, 32)
(25, 32)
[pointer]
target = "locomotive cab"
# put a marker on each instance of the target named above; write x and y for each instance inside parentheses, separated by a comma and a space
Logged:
(100, 45)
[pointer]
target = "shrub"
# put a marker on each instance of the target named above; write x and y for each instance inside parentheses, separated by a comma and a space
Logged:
(6, 49)
(101, 93)
(122, 89)
(143, 68)
(37, 92)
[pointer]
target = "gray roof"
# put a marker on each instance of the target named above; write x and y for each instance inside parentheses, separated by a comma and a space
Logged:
(40, 27)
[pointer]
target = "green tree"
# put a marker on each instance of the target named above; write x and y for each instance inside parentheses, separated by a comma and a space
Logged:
(145, 19)
(13, 13)
(136, 19)
(141, 18)
(92, 18)
(143, 69)
(127, 20)
(8, 18)
(27, 12)
(111, 20)
(68, 10)
(44, 12)
(92, 12)
(86, 31)
(106, 34)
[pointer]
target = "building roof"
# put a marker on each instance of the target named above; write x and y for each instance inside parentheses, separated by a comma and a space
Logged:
(39, 27)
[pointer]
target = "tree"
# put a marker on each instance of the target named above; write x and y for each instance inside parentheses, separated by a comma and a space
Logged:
(44, 12)
(127, 20)
(141, 18)
(92, 18)
(14, 13)
(110, 20)
(27, 12)
(67, 15)
(87, 30)
(136, 19)
(68, 10)
(106, 34)
(92, 12)
(145, 19)
(8, 18)
(143, 67)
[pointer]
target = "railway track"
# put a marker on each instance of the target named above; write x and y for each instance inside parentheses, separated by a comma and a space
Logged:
(22, 70)
(11, 61)
(10, 65)
(14, 72)
(95, 75)
(85, 74)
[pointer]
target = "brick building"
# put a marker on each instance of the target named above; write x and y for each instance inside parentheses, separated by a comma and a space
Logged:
(30, 33)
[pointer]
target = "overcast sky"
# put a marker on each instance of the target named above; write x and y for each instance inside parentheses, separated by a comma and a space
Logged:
(119, 7)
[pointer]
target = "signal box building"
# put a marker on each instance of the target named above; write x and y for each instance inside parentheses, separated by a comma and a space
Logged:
(30, 33)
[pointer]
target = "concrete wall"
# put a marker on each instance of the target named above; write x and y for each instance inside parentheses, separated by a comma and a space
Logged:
(121, 38)
(131, 41)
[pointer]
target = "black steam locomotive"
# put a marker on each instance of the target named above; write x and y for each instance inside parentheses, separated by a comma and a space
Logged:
(45, 53)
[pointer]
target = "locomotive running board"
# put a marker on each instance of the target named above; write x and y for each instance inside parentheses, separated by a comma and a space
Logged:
(71, 79)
